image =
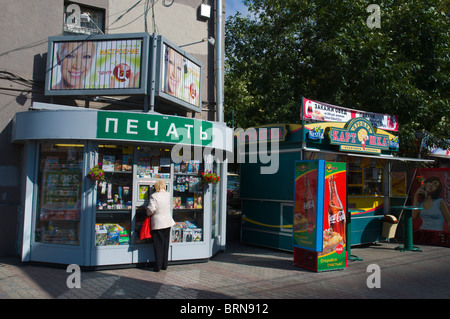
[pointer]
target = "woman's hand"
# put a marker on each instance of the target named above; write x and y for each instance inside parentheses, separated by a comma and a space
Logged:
(420, 191)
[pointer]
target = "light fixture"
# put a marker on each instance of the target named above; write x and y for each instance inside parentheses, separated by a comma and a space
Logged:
(211, 41)
(205, 11)
(85, 17)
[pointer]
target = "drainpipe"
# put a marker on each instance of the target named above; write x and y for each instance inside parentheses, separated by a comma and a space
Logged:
(219, 59)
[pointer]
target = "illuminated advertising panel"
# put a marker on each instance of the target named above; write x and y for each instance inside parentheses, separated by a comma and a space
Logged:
(323, 112)
(97, 65)
(179, 78)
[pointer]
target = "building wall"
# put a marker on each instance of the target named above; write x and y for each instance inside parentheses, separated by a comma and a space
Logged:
(23, 54)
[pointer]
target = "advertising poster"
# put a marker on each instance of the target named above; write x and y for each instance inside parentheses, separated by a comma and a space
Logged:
(308, 186)
(95, 65)
(180, 77)
(398, 184)
(319, 111)
(431, 190)
(333, 254)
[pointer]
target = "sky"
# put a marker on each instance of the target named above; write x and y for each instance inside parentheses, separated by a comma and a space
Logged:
(232, 6)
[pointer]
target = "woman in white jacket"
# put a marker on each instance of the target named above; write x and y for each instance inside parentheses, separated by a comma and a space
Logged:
(162, 222)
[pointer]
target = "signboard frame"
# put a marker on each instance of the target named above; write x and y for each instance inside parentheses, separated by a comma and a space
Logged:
(324, 112)
(311, 239)
(358, 135)
(144, 56)
(160, 69)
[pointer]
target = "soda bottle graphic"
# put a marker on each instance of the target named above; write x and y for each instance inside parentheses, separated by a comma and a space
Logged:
(310, 212)
(336, 214)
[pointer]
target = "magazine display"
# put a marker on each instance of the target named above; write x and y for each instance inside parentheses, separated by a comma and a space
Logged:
(187, 202)
(186, 231)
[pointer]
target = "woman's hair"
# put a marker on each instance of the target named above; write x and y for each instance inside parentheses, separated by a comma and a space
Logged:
(159, 185)
(437, 192)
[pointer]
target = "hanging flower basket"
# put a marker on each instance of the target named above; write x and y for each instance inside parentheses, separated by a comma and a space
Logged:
(210, 178)
(96, 173)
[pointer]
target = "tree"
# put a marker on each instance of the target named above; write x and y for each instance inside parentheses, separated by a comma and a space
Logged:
(325, 50)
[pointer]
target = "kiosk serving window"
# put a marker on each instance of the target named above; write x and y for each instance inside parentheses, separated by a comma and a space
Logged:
(366, 175)
(152, 163)
(59, 197)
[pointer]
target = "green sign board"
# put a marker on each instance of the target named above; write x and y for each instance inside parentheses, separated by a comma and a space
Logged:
(153, 127)
(358, 135)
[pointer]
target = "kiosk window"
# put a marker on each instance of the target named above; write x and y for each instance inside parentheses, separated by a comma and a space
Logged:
(366, 176)
(58, 212)
(114, 196)
(187, 202)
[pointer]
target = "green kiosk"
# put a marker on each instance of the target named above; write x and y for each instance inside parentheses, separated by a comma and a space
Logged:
(365, 141)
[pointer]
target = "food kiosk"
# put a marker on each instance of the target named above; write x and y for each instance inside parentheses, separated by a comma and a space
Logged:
(366, 142)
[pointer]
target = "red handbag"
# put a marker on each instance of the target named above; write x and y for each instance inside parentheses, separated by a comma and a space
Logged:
(146, 229)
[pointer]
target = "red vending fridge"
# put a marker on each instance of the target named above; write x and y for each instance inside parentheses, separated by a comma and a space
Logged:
(319, 236)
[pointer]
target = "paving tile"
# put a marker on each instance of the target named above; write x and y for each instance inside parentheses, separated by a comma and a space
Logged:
(243, 272)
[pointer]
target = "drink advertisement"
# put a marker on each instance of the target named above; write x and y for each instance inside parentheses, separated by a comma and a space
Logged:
(333, 254)
(308, 185)
(319, 233)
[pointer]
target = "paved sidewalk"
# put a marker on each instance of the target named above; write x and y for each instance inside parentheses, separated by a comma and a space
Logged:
(243, 272)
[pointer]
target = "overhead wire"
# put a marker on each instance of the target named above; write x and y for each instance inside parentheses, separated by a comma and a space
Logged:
(146, 9)
(155, 30)
(5, 75)
(128, 10)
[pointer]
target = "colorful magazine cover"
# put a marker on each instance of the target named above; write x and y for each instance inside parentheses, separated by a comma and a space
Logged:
(176, 202)
(188, 235)
(197, 234)
(198, 201)
(177, 234)
(193, 166)
(108, 163)
(127, 162)
(190, 202)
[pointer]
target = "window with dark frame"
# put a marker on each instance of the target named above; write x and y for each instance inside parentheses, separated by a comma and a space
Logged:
(75, 20)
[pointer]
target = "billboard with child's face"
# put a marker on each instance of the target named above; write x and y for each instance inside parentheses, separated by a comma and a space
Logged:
(97, 65)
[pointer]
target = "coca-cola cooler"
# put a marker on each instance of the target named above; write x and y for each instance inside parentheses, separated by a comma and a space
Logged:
(319, 230)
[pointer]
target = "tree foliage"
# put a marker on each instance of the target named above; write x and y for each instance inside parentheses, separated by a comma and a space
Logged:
(325, 51)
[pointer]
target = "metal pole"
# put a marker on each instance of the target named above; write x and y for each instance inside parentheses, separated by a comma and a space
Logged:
(219, 59)
(153, 51)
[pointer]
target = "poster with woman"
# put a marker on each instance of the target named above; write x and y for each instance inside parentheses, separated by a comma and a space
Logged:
(180, 76)
(431, 190)
(95, 65)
